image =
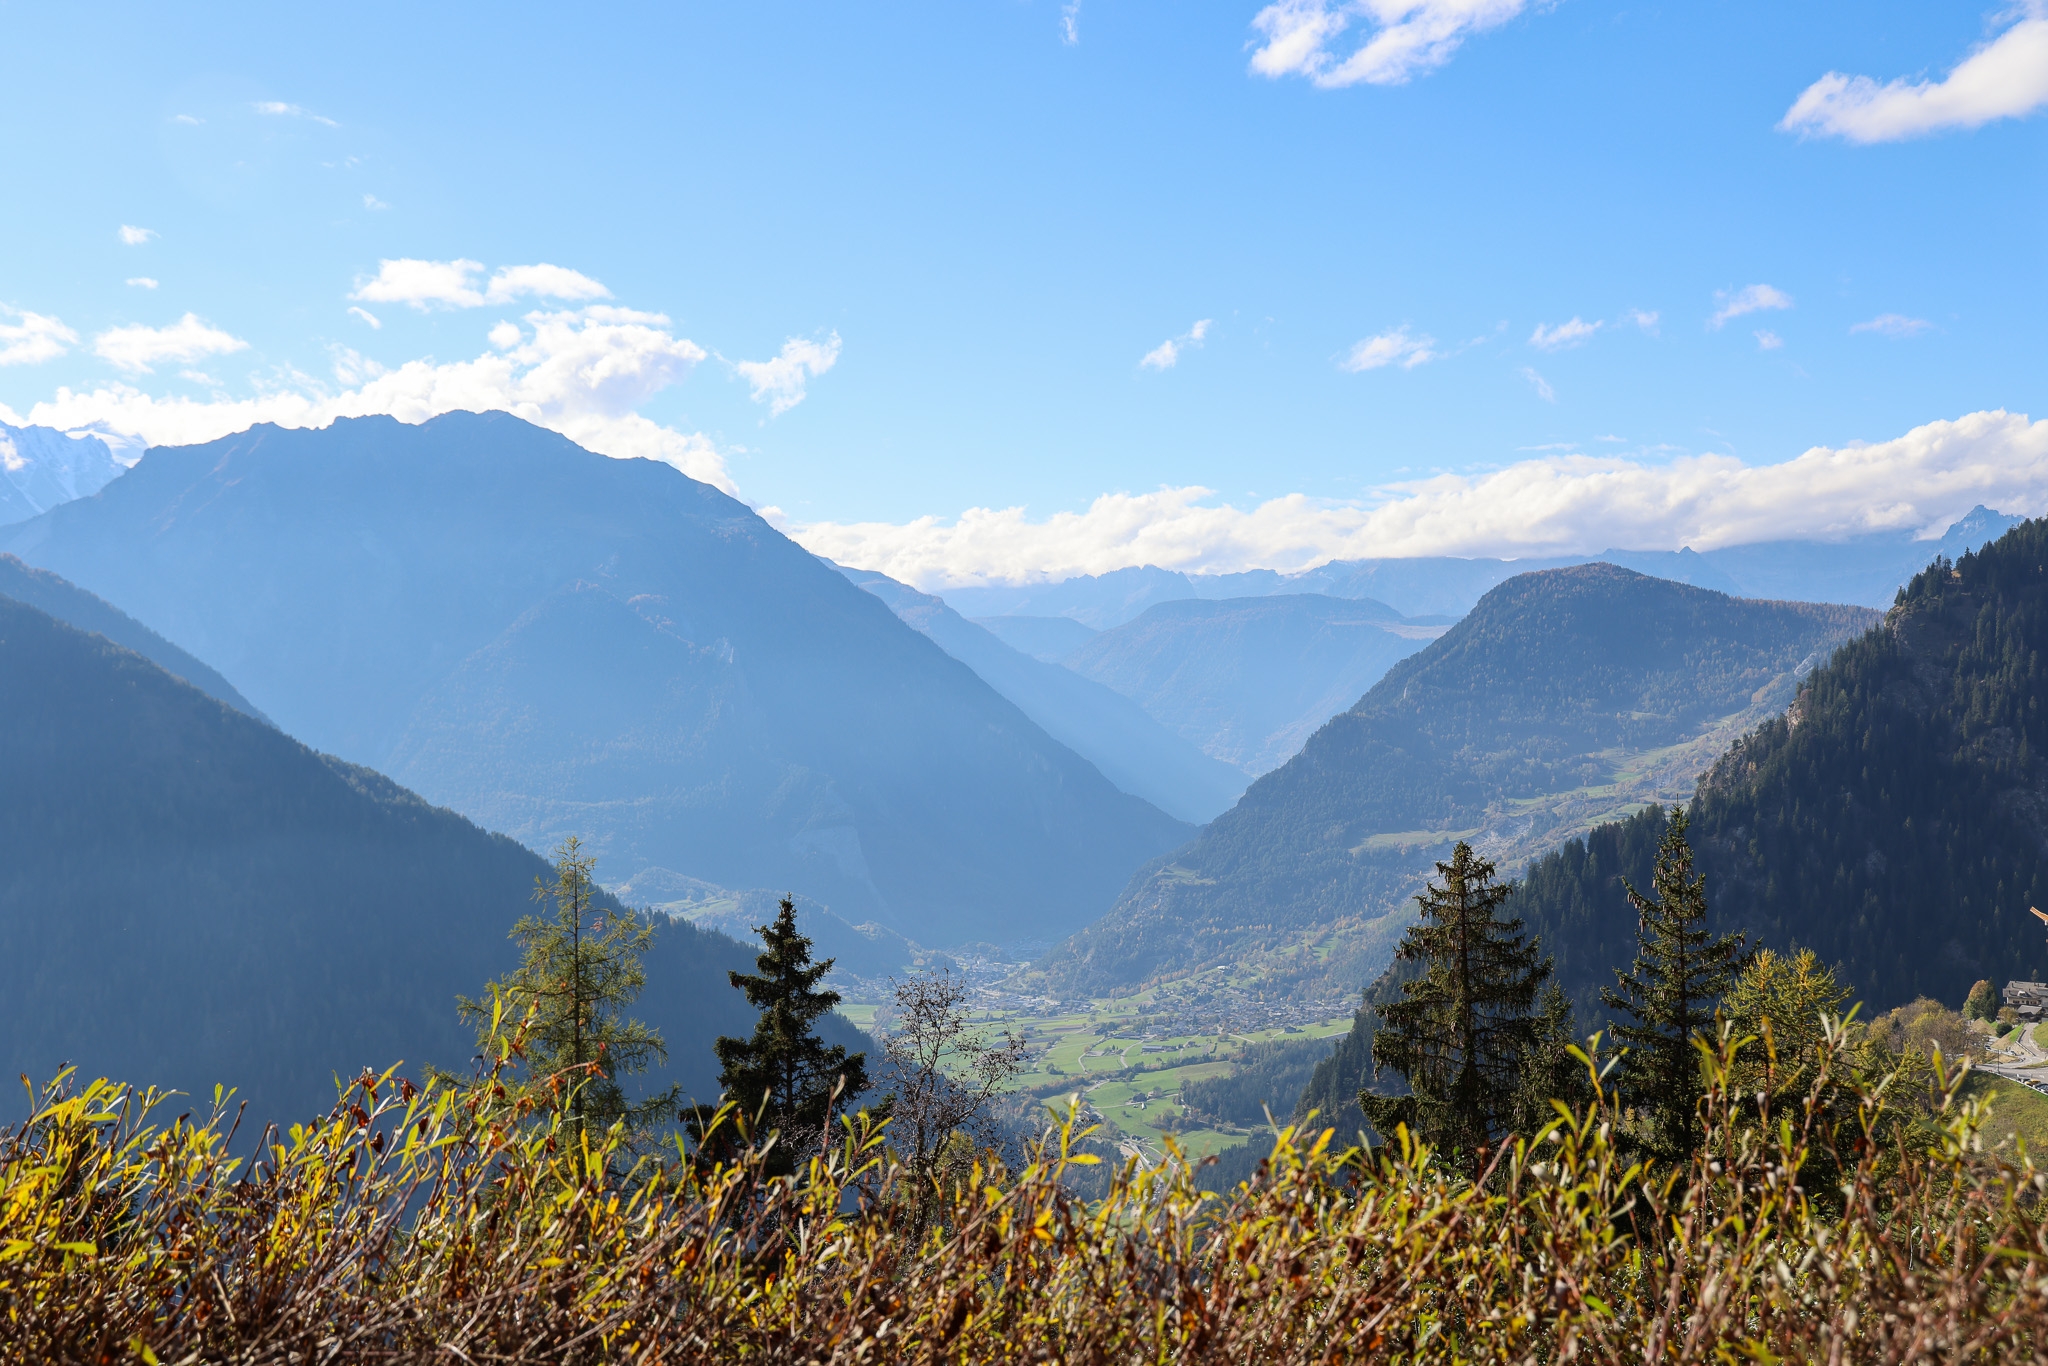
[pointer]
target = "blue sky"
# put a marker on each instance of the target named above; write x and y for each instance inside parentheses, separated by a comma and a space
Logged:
(963, 227)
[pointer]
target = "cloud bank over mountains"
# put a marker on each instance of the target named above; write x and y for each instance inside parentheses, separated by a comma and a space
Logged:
(1555, 505)
(580, 367)
(584, 372)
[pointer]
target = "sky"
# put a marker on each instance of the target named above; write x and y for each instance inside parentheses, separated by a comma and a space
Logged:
(1010, 289)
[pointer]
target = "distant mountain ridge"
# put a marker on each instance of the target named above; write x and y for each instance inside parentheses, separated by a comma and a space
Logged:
(191, 897)
(1861, 570)
(69, 603)
(1249, 679)
(41, 467)
(1566, 698)
(555, 642)
(1112, 732)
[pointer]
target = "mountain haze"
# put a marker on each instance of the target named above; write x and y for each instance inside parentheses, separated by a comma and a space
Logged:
(555, 642)
(69, 603)
(1566, 698)
(191, 897)
(1248, 679)
(1114, 733)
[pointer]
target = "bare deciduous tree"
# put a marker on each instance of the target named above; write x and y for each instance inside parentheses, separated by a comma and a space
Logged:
(943, 1076)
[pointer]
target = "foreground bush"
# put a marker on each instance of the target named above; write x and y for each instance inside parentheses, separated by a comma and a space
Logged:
(452, 1224)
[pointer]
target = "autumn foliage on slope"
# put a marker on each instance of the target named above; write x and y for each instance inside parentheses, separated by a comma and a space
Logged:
(455, 1221)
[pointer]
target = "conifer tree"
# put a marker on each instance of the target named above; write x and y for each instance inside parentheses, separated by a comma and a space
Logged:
(785, 1072)
(1680, 972)
(579, 968)
(1460, 1030)
(1549, 1072)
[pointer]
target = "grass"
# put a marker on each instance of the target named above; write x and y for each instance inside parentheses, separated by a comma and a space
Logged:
(2016, 1111)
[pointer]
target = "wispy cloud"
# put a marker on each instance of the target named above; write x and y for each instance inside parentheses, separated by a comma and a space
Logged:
(30, 338)
(138, 349)
(187, 119)
(132, 236)
(1564, 335)
(1748, 299)
(357, 311)
(452, 284)
(279, 109)
(781, 382)
(1564, 504)
(1767, 340)
(1166, 355)
(1646, 319)
(1407, 38)
(583, 372)
(1894, 325)
(1539, 384)
(2004, 79)
(1070, 22)
(374, 204)
(141, 282)
(1397, 347)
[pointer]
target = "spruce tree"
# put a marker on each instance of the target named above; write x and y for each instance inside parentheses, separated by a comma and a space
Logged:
(1460, 1030)
(1549, 1072)
(1680, 972)
(579, 968)
(785, 1073)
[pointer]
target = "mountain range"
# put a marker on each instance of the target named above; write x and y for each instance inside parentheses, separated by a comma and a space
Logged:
(191, 897)
(1566, 698)
(1893, 819)
(1249, 679)
(553, 642)
(41, 467)
(1113, 732)
(1865, 570)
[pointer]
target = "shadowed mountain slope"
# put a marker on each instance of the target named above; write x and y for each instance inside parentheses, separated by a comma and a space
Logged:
(1248, 679)
(554, 642)
(1567, 697)
(69, 603)
(191, 897)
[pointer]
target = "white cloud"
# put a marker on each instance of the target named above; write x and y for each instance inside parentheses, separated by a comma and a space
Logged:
(780, 382)
(1893, 325)
(1539, 384)
(137, 348)
(1556, 505)
(141, 282)
(583, 372)
(1166, 355)
(1389, 348)
(1409, 37)
(34, 338)
(1646, 319)
(376, 323)
(279, 109)
(1567, 334)
(505, 336)
(132, 236)
(1748, 299)
(374, 204)
(424, 284)
(1070, 22)
(2003, 79)
(1767, 340)
(186, 119)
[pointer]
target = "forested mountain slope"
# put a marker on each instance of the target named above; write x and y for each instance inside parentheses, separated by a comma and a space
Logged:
(69, 603)
(1895, 820)
(191, 897)
(1249, 679)
(1132, 750)
(1567, 697)
(553, 642)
